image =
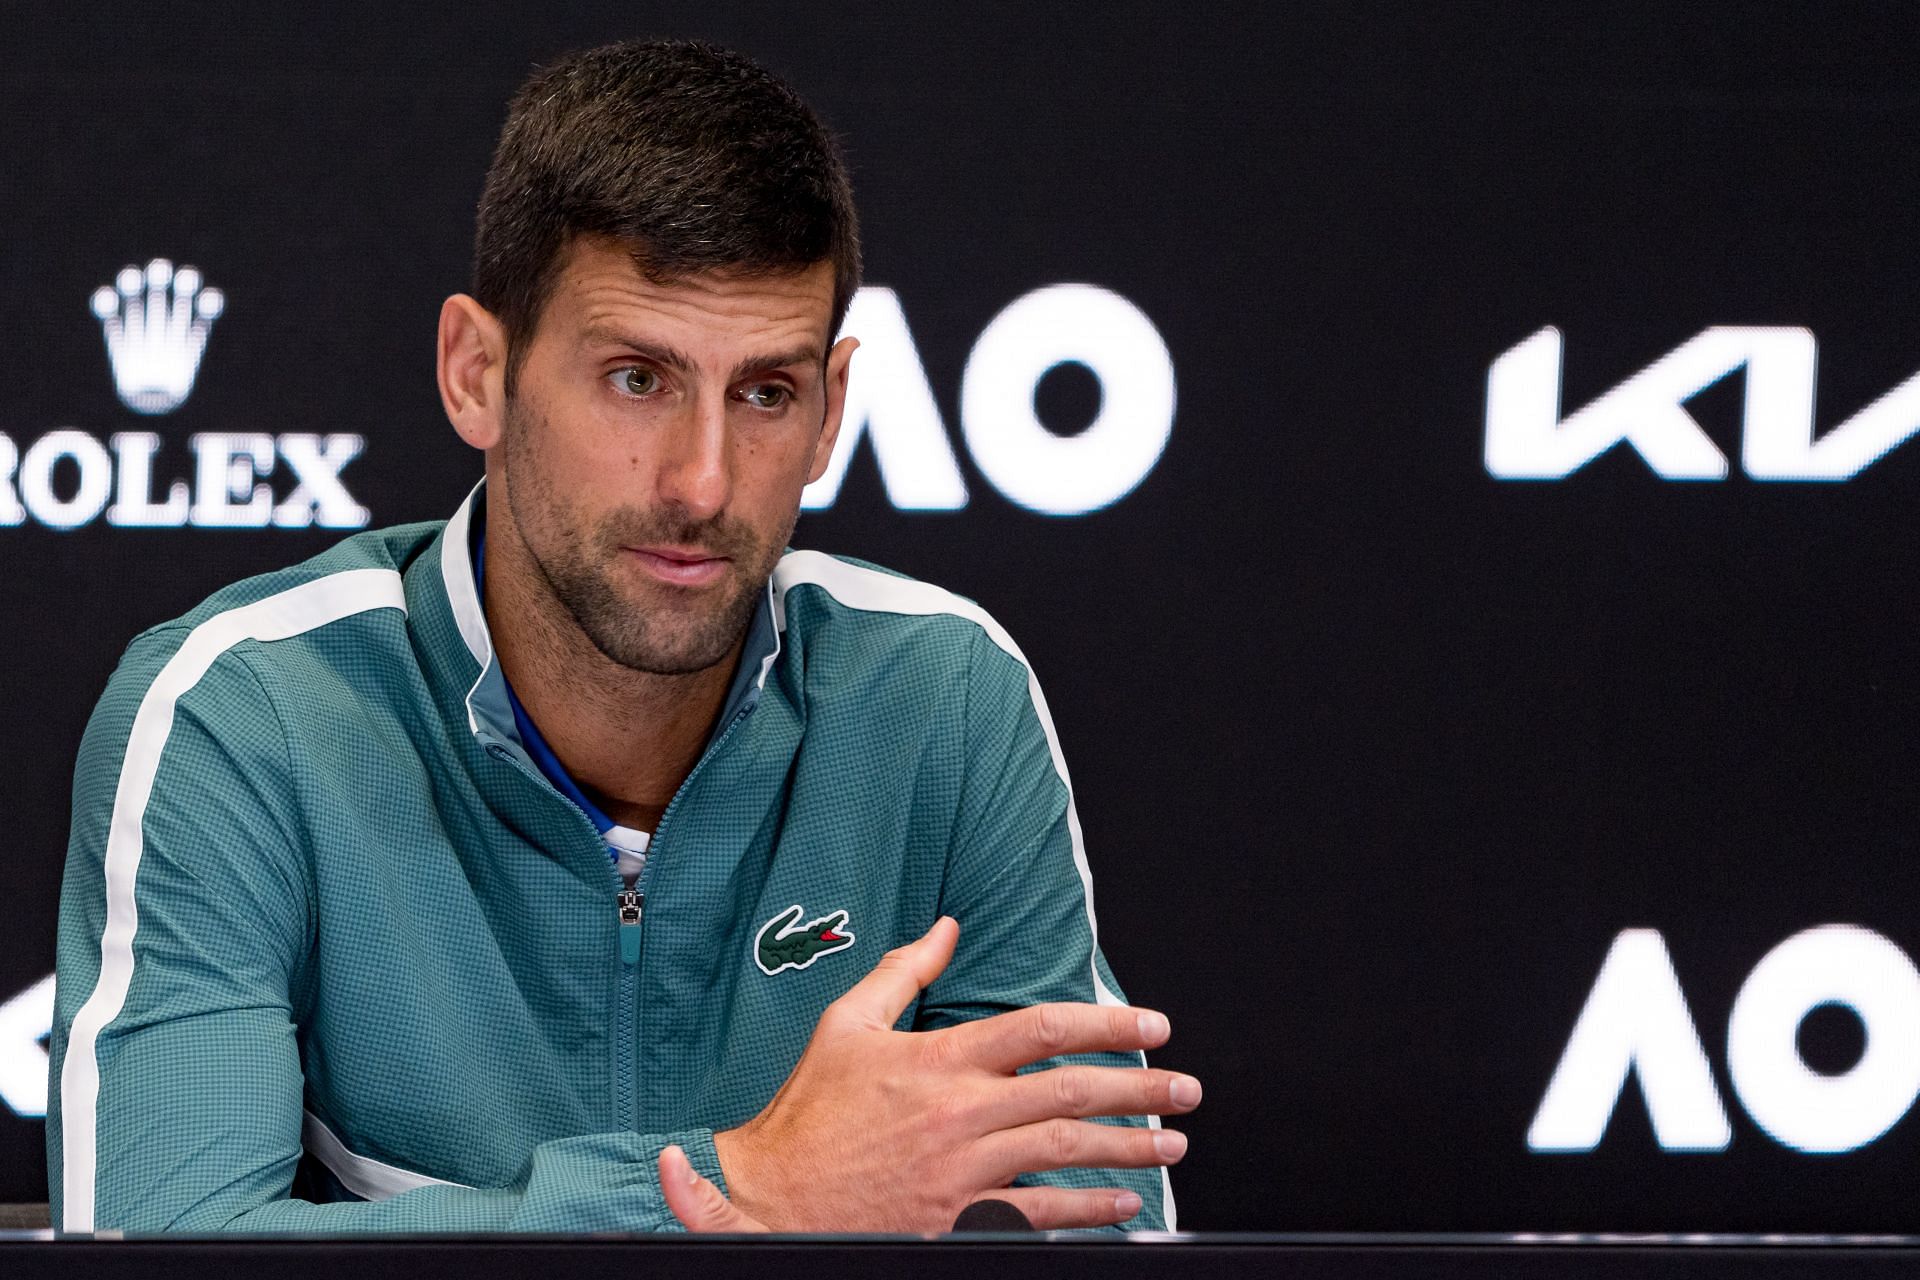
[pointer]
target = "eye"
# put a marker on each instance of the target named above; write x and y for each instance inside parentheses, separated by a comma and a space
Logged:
(634, 381)
(766, 396)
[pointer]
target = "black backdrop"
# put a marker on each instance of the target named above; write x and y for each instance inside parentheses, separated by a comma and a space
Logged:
(1376, 753)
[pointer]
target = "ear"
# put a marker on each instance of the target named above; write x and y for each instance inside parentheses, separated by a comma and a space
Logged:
(472, 368)
(839, 361)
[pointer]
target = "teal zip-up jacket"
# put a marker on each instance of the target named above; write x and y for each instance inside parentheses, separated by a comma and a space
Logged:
(335, 956)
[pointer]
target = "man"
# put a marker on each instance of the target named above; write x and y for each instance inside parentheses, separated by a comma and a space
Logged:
(522, 872)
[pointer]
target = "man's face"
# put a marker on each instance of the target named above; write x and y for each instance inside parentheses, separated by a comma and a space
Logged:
(656, 444)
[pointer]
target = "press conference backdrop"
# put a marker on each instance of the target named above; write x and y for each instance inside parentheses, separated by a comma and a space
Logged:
(1446, 465)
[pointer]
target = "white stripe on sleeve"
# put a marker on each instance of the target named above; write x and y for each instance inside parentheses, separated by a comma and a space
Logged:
(277, 617)
(366, 1177)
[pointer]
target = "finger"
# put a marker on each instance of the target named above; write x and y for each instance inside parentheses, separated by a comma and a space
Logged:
(696, 1202)
(1087, 1091)
(1064, 1208)
(1073, 1144)
(1008, 1041)
(903, 973)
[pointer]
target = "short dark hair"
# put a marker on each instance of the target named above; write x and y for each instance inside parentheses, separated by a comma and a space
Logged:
(694, 156)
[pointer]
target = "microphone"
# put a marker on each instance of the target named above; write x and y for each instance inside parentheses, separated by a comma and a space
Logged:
(991, 1215)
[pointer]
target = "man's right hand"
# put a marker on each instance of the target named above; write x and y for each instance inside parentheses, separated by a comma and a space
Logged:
(884, 1130)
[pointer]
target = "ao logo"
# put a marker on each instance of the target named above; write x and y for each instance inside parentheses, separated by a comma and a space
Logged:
(890, 402)
(26, 1021)
(1636, 1020)
(1527, 439)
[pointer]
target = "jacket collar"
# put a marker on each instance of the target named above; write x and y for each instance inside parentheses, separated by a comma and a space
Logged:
(489, 714)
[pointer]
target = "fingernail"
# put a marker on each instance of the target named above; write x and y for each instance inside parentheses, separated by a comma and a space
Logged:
(1126, 1204)
(1153, 1027)
(1169, 1144)
(689, 1177)
(1185, 1091)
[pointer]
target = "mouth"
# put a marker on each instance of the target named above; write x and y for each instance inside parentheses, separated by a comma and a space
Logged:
(680, 566)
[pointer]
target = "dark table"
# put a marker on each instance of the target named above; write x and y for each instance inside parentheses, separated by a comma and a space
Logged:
(975, 1257)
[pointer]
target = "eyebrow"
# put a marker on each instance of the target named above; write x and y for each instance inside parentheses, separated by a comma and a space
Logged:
(658, 352)
(754, 364)
(674, 358)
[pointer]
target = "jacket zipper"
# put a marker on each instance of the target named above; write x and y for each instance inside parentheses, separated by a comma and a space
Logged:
(653, 845)
(626, 1087)
(632, 905)
(631, 902)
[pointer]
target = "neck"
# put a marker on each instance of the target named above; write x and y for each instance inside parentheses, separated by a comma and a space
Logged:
(627, 738)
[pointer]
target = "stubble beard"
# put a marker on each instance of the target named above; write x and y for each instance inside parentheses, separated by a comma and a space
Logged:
(683, 631)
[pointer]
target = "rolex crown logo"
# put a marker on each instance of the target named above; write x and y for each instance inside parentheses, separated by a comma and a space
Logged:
(156, 323)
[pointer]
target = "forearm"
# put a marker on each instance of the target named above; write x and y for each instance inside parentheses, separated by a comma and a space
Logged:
(596, 1182)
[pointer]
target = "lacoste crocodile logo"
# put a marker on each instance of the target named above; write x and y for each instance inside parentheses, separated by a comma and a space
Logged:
(785, 943)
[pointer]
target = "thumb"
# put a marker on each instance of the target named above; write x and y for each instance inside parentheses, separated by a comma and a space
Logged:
(696, 1202)
(903, 973)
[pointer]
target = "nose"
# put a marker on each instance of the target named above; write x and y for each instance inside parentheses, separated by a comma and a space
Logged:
(695, 471)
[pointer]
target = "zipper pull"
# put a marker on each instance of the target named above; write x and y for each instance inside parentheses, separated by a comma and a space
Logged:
(632, 904)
